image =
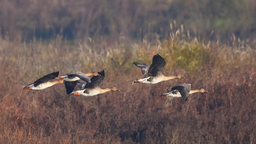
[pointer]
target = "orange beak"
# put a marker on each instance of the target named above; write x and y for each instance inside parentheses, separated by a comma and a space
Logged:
(26, 88)
(76, 93)
(136, 81)
(164, 95)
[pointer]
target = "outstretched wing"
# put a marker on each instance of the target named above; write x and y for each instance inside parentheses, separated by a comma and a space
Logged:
(169, 89)
(187, 87)
(168, 101)
(157, 65)
(83, 77)
(184, 93)
(96, 80)
(144, 67)
(46, 78)
(70, 86)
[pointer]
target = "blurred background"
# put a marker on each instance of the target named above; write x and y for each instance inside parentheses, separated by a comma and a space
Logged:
(135, 19)
(209, 42)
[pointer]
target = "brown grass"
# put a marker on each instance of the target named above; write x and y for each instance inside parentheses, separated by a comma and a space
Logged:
(226, 114)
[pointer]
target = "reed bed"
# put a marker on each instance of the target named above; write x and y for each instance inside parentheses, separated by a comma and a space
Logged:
(136, 114)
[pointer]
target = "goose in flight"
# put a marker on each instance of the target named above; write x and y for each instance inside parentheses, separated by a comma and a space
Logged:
(44, 82)
(71, 80)
(183, 91)
(153, 72)
(92, 88)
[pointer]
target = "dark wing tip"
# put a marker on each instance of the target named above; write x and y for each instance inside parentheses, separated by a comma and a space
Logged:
(157, 59)
(46, 78)
(56, 73)
(157, 65)
(157, 56)
(70, 86)
(102, 73)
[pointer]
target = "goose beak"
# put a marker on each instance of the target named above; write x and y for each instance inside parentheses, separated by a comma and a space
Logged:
(26, 88)
(76, 93)
(164, 95)
(137, 81)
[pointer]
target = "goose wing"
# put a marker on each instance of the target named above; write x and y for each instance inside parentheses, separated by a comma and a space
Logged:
(96, 80)
(169, 89)
(83, 77)
(157, 65)
(70, 86)
(144, 67)
(168, 101)
(46, 78)
(187, 87)
(184, 93)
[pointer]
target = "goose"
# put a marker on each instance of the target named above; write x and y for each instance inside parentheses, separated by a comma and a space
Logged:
(152, 73)
(92, 88)
(183, 90)
(44, 82)
(71, 80)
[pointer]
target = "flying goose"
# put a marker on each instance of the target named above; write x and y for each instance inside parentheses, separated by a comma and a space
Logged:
(180, 91)
(92, 88)
(153, 72)
(71, 80)
(44, 82)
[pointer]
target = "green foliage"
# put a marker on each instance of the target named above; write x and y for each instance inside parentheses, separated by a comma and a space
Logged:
(187, 55)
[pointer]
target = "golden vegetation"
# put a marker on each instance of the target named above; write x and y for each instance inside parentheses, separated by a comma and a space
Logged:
(136, 114)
